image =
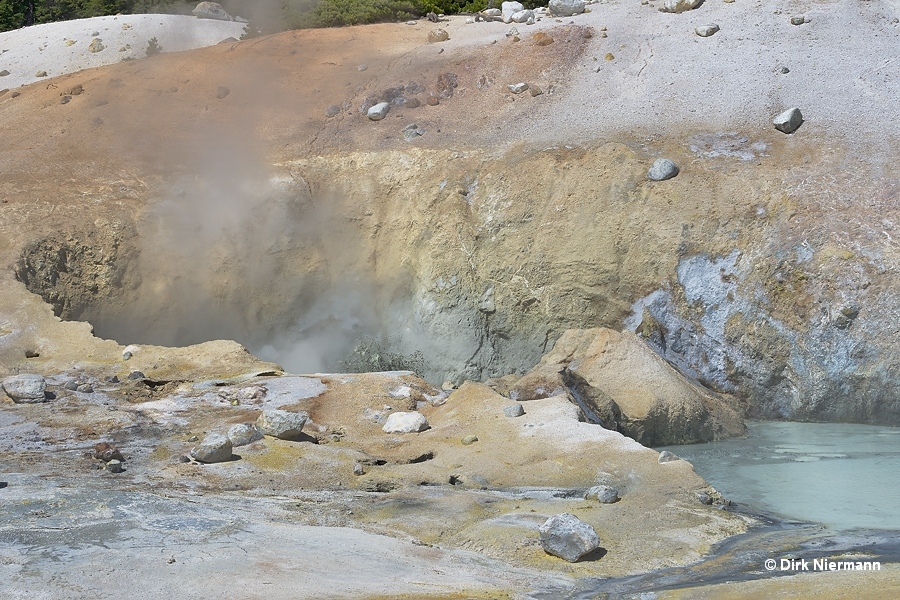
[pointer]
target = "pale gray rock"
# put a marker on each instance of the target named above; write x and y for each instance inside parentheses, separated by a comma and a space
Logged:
(213, 449)
(514, 410)
(788, 121)
(704, 498)
(679, 6)
(798, 20)
(508, 9)
(517, 88)
(405, 422)
(666, 456)
(412, 131)
(706, 30)
(115, 466)
(565, 8)
(602, 494)
(568, 537)
(282, 424)
(492, 12)
(523, 16)
(662, 169)
(379, 111)
(211, 10)
(26, 388)
(243, 434)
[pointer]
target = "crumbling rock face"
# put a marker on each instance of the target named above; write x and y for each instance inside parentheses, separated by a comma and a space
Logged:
(623, 385)
(77, 270)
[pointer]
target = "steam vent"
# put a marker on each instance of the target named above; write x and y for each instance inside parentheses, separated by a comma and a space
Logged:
(529, 301)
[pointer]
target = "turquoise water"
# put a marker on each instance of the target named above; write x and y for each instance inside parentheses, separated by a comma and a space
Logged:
(841, 475)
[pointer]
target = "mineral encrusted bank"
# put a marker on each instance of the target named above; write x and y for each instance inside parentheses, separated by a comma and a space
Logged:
(822, 564)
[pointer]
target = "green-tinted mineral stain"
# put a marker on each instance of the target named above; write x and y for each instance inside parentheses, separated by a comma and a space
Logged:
(279, 456)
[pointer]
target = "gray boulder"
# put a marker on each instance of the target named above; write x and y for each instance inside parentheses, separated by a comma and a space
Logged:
(788, 121)
(565, 8)
(282, 424)
(568, 537)
(514, 410)
(213, 449)
(679, 6)
(662, 169)
(405, 422)
(508, 9)
(379, 111)
(243, 434)
(211, 10)
(26, 388)
(602, 494)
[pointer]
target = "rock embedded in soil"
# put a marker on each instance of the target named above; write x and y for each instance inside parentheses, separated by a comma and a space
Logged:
(679, 6)
(568, 537)
(438, 35)
(602, 494)
(26, 388)
(517, 88)
(666, 456)
(662, 169)
(115, 466)
(405, 422)
(282, 424)
(706, 30)
(215, 448)
(788, 121)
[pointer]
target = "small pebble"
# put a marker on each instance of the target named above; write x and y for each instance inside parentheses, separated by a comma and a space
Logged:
(469, 440)
(514, 410)
(134, 375)
(358, 469)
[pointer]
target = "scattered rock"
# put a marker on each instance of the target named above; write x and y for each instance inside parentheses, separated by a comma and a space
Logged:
(565, 8)
(26, 388)
(704, 498)
(362, 68)
(517, 88)
(222, 92)
(788, 121)
(534, 90)
(492, 12)
(282, 424)
(798, 20)
(412, 103)
(568, 537)
(65, 99)
(514, 410)
(405, 422)
(4, 73)
(129, 351)
(785, 70)
(211, 10)
(469, 440)
(542, 39)
(513, 32)
(96, 45)
(432, 100)
(379, 111)
(438, 35)
(115, 466)
(71, 385)
(602, 494)
(679, 6)
(214, 448)
(666, 456)
(41, 74)
(332, 111)
(662, 169)
(243, 434)
(706, 30)
(358, 469)
(111, 379)
(106, 452)
(135, 375)
(85, 388)
(446, 83)
(412, 131)
(508, 9)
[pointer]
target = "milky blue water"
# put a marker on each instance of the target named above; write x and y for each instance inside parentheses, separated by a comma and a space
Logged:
(841, 475)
